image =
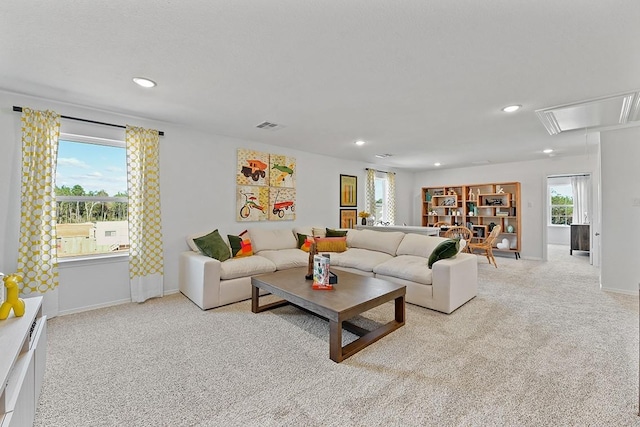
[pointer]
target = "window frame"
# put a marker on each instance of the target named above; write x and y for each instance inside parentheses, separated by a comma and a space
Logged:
(564, 206)
(84, 139)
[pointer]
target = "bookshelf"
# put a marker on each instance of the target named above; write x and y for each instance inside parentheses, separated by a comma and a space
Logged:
(479, 207)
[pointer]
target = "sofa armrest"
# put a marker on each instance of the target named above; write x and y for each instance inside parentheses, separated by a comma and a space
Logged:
(454, 281)
(199, 279)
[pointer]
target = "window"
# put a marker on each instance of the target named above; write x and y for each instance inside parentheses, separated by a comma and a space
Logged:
(91, 195)
(561, 204)
(382, 190)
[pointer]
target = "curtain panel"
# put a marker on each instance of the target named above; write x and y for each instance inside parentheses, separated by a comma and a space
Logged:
(370, 193)
(145, 230)
(37, 257)
(391, 198)
(581, 199)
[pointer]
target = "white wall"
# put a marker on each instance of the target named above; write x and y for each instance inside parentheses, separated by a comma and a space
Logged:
(620, 256)
(558, 235)
(533, 190)
(197, 194)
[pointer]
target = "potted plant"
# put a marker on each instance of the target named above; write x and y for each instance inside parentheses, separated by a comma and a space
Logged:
(364, 215)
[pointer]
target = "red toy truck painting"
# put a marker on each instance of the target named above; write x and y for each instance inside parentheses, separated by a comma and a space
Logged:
(255, 170)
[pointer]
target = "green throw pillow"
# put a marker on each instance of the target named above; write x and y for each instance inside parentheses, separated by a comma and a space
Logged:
(447, 249)
(301, 239)
(336, 233)
(212, 245)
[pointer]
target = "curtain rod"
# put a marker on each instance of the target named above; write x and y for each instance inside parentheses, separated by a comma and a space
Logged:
(379, 170)
(19, 110)
(569, 175)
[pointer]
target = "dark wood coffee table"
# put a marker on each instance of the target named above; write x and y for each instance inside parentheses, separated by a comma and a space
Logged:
(354, 294)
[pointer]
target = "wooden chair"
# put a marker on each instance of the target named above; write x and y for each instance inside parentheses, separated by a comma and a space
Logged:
(441, 224)
(461, 232)
(487, 244)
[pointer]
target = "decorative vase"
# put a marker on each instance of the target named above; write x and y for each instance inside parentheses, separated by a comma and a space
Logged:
(364, 221)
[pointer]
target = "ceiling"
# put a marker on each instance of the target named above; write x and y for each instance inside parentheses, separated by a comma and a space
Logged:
(421, 80)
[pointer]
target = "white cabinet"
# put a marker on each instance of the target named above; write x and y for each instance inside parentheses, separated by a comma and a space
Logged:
(22, 363)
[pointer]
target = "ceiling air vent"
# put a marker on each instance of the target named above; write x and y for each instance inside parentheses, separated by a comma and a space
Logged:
(383, 156)
(269, 126)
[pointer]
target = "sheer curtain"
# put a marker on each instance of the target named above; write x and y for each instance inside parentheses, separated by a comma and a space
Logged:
(581, 200)
(370, 193)
(145, 229)
(37, 257)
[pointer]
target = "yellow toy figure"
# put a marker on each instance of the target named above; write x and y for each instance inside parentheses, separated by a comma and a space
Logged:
(11, 283)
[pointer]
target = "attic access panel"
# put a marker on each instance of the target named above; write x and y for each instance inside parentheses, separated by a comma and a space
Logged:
(602, 112)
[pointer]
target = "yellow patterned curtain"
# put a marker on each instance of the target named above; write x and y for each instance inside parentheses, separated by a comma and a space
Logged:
(391, 198)
(145, 229)
(37, 258)
(370, 193)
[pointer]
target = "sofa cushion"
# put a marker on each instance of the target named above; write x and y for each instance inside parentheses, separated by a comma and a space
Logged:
(335, 233)
(303, 230)
(245, 266)
(444, 250)
(287, 258)
(381, 241)
(268, 240)
(419, 245)
(319, 232)
(212, 245)
(240, 245)
(407, 267)
(361, 259)
(331, 244)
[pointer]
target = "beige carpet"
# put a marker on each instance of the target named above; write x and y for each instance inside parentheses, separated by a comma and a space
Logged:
(540, 345)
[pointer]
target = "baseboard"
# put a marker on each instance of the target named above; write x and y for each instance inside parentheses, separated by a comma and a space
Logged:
(106, 304)
(93, 307)
(619, 291)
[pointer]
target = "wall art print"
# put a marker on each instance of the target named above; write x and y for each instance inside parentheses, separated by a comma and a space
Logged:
(348, 191)
(282, 204)
(265, 186)
(252, 203)
(252, 168)
(282, 171)
(348, 218)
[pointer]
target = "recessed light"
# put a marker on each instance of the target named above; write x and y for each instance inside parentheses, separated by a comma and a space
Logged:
(511, 108)
(436, 164)
(360, 142)
(144, 82)
(547, 151)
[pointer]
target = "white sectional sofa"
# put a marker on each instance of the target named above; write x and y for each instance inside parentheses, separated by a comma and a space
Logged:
(394, 256)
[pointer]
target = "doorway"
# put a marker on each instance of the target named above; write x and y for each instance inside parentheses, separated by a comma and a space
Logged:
(571, 218)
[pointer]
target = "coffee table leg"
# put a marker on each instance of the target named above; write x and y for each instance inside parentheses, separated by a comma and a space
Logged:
(400, 310)
(337, 353)
(335, 341)
(255, 301)
(255, 295)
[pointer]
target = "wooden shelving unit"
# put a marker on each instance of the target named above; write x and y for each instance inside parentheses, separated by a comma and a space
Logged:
(479, 207)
